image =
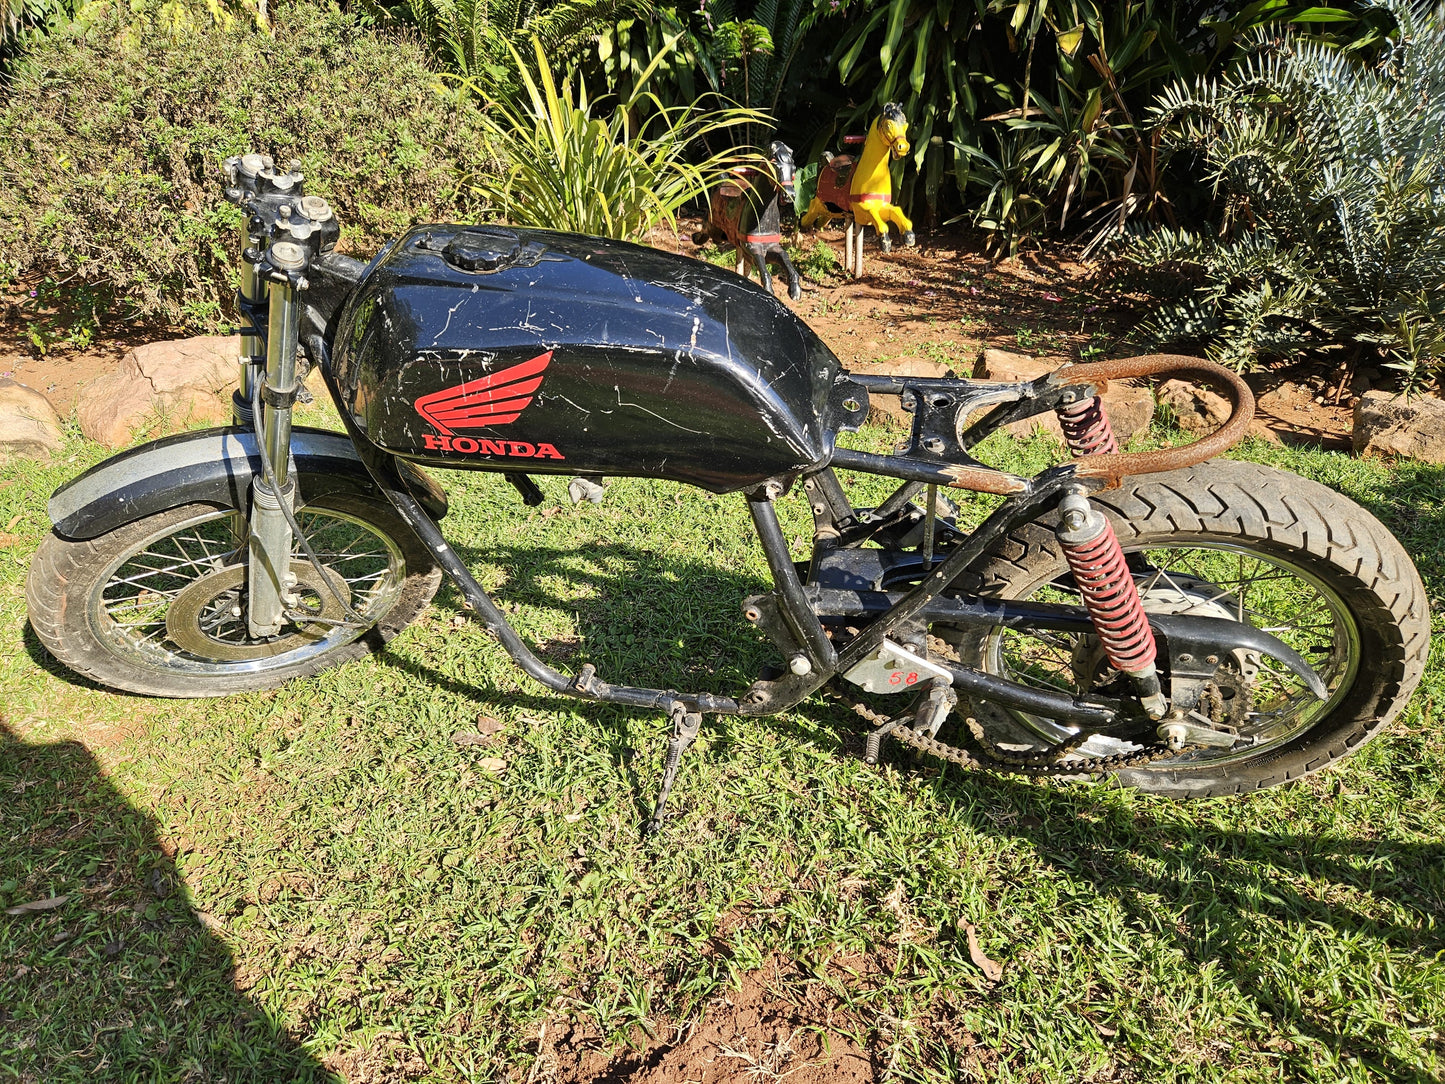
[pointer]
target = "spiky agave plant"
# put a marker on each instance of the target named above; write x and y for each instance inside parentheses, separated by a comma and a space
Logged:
(565, 168)
(1330, 173)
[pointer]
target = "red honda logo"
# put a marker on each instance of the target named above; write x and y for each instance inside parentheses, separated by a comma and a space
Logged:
(497, 399)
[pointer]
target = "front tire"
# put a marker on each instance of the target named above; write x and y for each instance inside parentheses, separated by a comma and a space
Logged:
(1231, 539)
(156, 607)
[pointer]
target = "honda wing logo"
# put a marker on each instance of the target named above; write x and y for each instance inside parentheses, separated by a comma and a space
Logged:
(496, 399)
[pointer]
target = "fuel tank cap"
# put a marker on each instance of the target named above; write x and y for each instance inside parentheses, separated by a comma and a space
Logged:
(482, 249)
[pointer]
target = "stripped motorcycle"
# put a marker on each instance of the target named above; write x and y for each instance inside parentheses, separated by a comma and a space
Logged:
(1185, 624)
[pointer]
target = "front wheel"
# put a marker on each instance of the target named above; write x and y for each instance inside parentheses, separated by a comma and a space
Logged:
(1227, 540)
(158, 606)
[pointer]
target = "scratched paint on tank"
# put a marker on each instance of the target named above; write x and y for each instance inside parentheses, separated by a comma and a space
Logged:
(660, 365)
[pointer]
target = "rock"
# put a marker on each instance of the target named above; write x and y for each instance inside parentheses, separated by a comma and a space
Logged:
(160, 385)
(1130, 408)
(885, 409)
(1196, 409)
(995, 364)
(1261, 430)
(29, 426)
(1391, 425)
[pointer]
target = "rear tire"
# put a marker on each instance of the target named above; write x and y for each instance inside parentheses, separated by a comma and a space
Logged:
(152, 607)
(1334, 577)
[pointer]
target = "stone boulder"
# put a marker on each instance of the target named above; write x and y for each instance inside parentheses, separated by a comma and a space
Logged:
(29, 426)
(1130, 408)
(1387, 424)
(159, 386)
(888, 409)
(1196, 409)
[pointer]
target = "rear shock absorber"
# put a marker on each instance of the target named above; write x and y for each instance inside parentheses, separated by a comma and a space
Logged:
(1110, 595)
(1086, 427)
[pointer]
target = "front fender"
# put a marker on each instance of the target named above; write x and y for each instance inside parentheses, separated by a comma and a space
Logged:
(215, 466)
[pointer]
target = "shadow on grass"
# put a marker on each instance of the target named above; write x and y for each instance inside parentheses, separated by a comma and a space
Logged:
(1216, 894)
(121, 981)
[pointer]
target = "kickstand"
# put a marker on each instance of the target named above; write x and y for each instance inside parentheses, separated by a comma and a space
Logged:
(685, 725)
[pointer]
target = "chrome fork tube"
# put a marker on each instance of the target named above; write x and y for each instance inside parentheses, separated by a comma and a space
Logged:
(282, 327)
(271, 584)
(253, 292)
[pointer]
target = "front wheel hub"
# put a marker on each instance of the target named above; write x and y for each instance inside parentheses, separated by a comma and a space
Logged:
(207, 618)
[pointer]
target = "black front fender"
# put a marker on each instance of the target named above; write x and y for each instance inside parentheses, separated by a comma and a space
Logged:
(215, 466)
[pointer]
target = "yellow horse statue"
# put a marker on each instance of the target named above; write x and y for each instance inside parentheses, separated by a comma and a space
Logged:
(864, 192)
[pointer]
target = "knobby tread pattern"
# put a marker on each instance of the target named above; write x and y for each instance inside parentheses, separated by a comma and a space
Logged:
(64, 572)
(1290, 517)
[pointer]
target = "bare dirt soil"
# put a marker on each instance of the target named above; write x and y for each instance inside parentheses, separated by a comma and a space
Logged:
(943, 301)
(777, 1024)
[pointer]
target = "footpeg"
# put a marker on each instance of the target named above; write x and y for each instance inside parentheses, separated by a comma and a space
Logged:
(581, 489)
(936, 706)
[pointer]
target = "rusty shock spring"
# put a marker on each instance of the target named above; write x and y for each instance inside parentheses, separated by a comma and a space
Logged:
(1086, 428)
(1112, 599)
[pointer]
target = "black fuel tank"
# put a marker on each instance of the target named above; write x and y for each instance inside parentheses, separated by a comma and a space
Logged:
(516, 349)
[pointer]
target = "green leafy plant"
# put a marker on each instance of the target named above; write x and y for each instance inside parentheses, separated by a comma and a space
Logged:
(753, 54)
(24, 22)
(112, 134)
(1330, 174)
(1032, 107)
(479, 39)
(566, 168)
(57, 313)
(817, 261)
(671, 45)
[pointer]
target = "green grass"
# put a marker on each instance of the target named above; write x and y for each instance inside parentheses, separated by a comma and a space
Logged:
(265, 886)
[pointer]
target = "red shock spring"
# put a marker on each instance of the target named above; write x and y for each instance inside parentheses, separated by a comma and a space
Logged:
(1112, 598)
(1086, 427)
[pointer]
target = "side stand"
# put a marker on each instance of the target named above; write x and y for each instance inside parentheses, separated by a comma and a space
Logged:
(685, 726)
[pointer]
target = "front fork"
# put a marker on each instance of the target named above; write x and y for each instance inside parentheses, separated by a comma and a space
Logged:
(270, 582)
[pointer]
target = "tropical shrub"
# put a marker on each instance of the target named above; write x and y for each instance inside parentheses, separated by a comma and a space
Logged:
(1032, 108)
(480, 40)
(759, 55)
(1330, 174)
(23, 22)
(565, 168)
(113, 132)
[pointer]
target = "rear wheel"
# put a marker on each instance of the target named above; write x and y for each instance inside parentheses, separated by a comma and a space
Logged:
(157, 606)
(1235, 540)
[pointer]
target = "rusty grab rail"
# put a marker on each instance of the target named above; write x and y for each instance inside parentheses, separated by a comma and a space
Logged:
(1118, 465)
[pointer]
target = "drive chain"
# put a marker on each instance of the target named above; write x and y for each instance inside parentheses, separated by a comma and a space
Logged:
(1044, 762)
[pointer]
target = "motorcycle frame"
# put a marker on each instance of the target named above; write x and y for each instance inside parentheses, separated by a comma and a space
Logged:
(804, 610)
(300, 297)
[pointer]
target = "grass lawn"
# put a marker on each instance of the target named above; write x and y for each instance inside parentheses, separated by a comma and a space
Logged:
(321, 880)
